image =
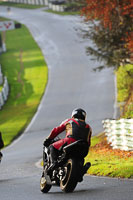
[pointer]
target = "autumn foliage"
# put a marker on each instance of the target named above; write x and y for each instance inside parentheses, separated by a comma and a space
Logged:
(106, 9)
(115, 16)
(104, 148)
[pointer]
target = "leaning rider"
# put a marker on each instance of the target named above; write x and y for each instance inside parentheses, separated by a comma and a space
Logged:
(76, 129)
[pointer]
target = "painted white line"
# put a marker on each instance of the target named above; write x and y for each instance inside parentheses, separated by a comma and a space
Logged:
(38, 164)
(107, 177)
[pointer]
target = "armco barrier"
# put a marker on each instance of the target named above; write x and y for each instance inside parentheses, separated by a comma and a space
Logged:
(4, 93)
(119, 133)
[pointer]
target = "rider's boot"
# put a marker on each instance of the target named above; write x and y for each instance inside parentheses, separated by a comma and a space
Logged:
(85, 168)
(1, 155)
(53, 159)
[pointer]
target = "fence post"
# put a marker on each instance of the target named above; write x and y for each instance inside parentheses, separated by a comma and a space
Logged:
(6, 87)
(1, 100)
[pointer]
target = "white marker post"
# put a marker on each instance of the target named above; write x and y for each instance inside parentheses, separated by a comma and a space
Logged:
(5, 26)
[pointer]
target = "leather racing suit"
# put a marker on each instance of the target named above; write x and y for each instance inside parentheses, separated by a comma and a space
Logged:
(76, 129)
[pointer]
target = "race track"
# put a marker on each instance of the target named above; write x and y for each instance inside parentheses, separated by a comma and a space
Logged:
(72, 83)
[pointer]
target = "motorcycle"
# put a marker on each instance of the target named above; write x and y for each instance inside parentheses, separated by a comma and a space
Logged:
(1, 155)
(1, 146)
(69, 169)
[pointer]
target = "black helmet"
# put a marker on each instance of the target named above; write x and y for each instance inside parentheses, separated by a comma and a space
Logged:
(79, 113)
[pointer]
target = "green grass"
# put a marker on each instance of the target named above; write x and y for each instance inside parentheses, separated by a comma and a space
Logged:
(108, 162)
(27, 73)
(3, 19)
(109, 165)
(95, 140)
(20, 5)
(63, 13)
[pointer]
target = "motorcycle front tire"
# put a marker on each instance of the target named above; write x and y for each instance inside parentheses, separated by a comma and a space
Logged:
(44, 187)
(69, 181)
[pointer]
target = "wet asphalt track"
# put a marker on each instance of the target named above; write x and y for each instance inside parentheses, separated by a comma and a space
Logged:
(72, 83)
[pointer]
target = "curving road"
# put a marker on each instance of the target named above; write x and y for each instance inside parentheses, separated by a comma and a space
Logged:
(72, 83)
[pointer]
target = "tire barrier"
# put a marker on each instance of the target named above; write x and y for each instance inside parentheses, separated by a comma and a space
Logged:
(4, 92)
(58, 8)
(119, 133)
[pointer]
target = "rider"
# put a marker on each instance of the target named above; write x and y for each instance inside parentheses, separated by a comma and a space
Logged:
(1, 145)
(76, 129)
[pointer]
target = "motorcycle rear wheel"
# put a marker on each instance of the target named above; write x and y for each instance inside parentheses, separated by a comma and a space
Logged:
(69, 182)
(44, 187)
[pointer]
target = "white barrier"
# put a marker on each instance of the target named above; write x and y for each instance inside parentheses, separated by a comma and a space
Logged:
(46, 2)
(25, 2)
(1, 100)
(52, 6)
(119, 133)
(4, 93)
(6, 87)
(58, 8)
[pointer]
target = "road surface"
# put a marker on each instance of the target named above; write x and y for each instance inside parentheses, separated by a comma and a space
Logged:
(72, 81)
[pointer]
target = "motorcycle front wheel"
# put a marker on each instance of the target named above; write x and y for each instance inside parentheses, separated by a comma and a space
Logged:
(44, 187)
(69, 181)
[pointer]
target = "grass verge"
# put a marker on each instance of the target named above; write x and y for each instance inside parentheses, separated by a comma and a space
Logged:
(63, 13)
(19, 5)
(27, 73)
(108, 162)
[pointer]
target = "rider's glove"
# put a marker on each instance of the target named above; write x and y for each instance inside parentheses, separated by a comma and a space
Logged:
(47, 142)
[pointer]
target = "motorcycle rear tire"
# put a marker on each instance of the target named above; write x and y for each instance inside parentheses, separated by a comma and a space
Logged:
(69, 182)
(44, 187)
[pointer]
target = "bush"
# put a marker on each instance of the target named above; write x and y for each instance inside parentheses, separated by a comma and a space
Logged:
(124, 82)
(125, 89)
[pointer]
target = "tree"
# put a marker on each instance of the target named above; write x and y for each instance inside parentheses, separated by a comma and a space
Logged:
(112, 33)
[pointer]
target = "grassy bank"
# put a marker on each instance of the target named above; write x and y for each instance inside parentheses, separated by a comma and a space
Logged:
(26, 70)
(63, 13)
(108, 162)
